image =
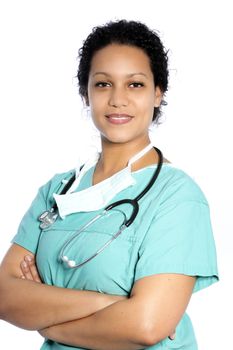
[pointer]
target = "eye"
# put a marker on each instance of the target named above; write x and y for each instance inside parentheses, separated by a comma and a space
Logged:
(136, 84)
(102, 84)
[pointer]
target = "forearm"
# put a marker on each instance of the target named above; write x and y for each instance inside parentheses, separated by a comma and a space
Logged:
(117, 327)
(155, 307)
(34, 306)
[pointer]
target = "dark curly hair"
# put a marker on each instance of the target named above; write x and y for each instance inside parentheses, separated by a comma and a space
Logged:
(126, 33)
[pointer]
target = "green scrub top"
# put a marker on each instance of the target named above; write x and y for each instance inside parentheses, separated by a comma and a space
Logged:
(171, 234)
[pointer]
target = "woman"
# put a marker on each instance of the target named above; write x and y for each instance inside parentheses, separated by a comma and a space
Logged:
(132, 294)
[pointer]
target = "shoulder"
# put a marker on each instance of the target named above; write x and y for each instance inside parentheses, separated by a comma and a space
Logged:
(179, 184)
(173, 185)
(178, 180)
(56, 183)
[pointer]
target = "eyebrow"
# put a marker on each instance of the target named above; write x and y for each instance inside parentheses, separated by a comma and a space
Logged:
(127, 75)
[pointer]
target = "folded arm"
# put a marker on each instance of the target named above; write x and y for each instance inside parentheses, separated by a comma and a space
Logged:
(151, 314)
(34, 306)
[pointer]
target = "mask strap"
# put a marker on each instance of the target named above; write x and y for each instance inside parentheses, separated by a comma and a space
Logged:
(81, 171)
(140, 154)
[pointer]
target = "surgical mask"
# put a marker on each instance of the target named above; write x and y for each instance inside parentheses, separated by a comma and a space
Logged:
(98, 196)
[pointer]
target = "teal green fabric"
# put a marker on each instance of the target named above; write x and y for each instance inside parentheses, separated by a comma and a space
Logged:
(171, 234)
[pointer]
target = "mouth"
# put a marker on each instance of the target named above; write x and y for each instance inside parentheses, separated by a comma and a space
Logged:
(119, 118)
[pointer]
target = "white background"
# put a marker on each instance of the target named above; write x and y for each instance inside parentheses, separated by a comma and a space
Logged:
(42, 131)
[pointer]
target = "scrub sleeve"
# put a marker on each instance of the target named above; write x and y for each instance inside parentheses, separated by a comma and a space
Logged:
(183, 243)
(179, 240)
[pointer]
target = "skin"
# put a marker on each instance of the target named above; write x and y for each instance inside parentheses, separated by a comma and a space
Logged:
(29, 272)
(120, 82)
(29, 304)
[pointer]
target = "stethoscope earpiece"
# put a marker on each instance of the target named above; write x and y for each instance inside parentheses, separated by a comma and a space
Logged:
(64, 258)
(69, 263)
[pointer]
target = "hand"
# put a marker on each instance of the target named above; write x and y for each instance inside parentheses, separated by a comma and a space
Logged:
(29, 269)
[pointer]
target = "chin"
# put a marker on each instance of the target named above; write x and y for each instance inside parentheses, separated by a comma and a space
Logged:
(115, 137)
(116, 140)
(123, 136)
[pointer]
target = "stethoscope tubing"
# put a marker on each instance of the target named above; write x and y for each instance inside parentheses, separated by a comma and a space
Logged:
(47, 217)
(71, 263)
(134, 201)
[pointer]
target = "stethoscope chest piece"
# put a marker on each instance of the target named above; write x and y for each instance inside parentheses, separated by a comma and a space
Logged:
(47, 218)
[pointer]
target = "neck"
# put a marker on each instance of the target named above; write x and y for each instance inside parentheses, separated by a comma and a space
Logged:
(115, 156)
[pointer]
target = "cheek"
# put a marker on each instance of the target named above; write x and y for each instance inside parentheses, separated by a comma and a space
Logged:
(97, 111)
(97, 102)
(145, 106)
(97, 115)
(145, 98)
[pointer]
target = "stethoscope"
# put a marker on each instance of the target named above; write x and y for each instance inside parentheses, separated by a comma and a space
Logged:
(49, 217)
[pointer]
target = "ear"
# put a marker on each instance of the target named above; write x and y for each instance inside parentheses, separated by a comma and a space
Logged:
(158, 96)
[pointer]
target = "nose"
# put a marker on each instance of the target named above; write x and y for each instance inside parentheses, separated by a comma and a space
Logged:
(118, 97)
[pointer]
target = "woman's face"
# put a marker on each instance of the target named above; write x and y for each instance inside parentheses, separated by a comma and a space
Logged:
(121, 93)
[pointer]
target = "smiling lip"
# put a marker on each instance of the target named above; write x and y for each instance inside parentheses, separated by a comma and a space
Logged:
(117, 118)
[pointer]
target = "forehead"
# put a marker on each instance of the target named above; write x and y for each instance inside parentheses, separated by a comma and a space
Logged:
(121, 59)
